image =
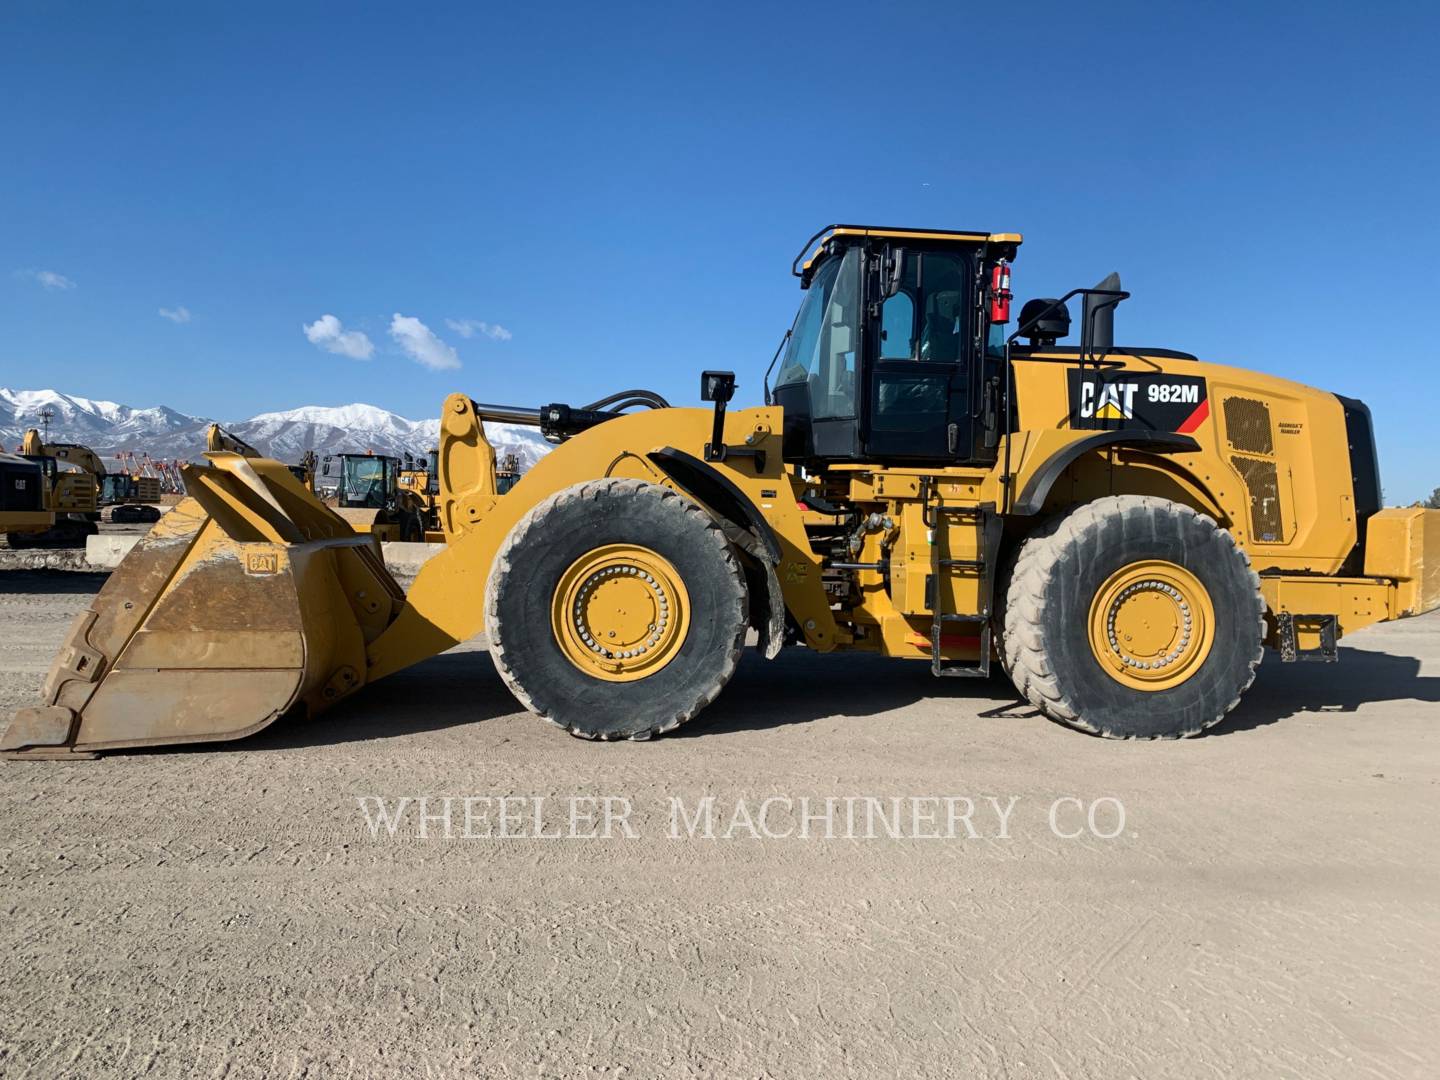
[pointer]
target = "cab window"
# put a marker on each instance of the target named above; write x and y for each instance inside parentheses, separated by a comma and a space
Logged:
(928, 317)
(822, 344)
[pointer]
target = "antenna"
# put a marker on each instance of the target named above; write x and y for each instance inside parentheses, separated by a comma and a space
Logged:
(46, 415)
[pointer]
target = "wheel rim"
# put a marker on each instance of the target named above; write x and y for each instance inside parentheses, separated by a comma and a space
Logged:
(1152, 625)
(620, 612)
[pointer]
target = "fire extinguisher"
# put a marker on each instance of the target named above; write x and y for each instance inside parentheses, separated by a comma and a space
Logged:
(1000, 292)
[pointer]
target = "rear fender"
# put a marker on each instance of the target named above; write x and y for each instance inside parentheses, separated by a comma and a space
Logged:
(1040, 477)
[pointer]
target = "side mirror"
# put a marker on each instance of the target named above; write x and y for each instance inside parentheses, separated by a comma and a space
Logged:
(894, 271)
(717, 386)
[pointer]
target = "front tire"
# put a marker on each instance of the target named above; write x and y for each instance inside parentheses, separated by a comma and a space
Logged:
(1133, 617)
(616, 609)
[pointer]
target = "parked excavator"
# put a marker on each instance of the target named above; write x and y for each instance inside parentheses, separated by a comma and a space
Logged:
(1123, 528)
(217, 439)
(59, 504)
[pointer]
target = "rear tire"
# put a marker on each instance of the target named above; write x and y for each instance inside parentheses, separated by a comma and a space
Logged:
(681, 575)
(1127, 564)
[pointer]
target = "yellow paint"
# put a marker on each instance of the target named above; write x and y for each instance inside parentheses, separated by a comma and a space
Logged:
(913, 234)
(620, 612)
(1151, 625)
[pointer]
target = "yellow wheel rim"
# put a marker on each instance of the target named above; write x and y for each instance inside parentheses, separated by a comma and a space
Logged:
(1152, 625)
(620, 612)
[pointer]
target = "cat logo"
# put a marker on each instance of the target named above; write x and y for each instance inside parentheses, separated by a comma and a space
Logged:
(1148, 400)
(262, 562)
(1108, 401)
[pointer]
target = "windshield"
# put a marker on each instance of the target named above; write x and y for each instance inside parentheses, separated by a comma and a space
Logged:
(115, 486)
(363, 482)
(823, 341)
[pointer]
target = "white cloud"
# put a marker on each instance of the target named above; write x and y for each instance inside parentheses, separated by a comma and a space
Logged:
(179, 314)
(328, 333)
(48, 278)
(468, 328)
(421, 344)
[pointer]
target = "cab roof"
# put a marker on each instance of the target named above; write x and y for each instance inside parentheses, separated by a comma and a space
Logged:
(957, 236)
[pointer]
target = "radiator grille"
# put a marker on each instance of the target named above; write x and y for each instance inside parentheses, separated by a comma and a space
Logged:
(1247, 425)
(1263, 483)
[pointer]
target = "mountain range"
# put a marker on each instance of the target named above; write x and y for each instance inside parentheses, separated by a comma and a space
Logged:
(107, 428)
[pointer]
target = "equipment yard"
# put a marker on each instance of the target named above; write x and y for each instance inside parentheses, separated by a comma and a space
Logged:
(1271, 906)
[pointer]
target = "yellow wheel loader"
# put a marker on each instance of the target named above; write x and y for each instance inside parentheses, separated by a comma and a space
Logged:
(365, 490)
(1123, 528)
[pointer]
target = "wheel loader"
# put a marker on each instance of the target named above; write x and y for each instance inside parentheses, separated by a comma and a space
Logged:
(365, 490)
(1122, 528)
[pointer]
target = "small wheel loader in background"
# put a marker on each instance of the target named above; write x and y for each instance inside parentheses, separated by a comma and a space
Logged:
(1123, 528)
(365, 490)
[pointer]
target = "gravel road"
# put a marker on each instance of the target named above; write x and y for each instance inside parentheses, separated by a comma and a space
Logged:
(1269, 906)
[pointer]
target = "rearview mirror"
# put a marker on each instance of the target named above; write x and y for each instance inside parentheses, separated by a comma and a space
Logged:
(717, 385)
(893, 271)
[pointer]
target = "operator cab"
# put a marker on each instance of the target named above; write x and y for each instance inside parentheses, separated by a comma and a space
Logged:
(362, 481)
(897, 352)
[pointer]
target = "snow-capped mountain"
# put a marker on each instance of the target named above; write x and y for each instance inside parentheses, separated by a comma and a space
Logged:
(286, 435)
(78, 419)
(161, 432)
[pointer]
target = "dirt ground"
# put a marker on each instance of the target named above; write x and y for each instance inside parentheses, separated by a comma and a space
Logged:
(1269, 907)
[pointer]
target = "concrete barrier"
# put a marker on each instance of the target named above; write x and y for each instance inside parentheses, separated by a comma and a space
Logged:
(104, 552)
(43, 559)
(405, 560)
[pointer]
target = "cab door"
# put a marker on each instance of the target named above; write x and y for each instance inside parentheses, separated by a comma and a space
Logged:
(919, 398)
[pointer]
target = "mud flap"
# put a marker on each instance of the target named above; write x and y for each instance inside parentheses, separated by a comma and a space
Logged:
(772, 635)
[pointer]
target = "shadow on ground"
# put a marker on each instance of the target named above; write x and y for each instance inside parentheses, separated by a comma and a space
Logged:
(800, 687)
(1359, 677)
(66, 582)
(446, 691)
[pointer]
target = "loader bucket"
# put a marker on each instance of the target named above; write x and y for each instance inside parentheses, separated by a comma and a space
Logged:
(248, 598)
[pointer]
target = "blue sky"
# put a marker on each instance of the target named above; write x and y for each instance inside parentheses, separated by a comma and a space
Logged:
(620, 189)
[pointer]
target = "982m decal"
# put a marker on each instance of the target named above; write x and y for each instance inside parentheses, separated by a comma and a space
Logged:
(1152, 401)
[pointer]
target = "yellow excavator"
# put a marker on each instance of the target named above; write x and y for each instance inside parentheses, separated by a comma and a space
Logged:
(218, 440)
(1123, 528)
(58, 507)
